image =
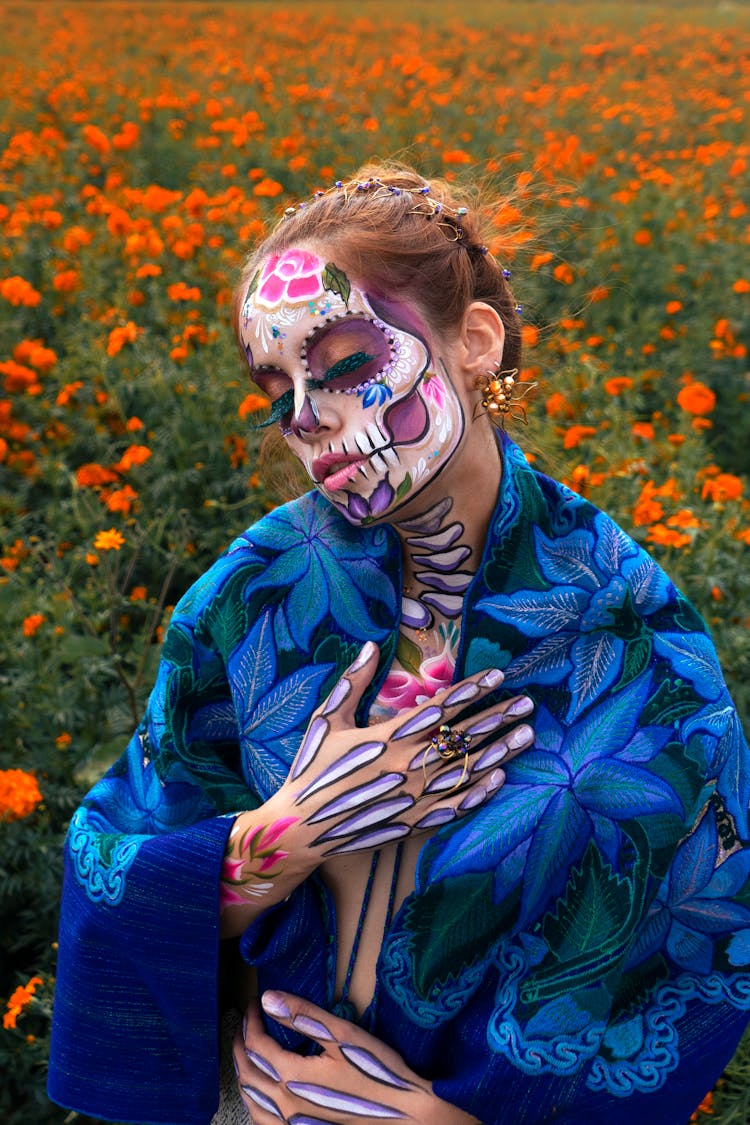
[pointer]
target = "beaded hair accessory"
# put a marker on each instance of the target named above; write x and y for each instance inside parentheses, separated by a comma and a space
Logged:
(447, 217)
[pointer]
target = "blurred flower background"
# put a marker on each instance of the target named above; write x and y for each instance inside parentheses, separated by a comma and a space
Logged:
(144, 146)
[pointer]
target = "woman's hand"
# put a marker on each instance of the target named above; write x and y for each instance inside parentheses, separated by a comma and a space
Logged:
(355, 1079)
(356, 788)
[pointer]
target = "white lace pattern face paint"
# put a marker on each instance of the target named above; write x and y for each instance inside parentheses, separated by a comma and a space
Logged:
(353, 384)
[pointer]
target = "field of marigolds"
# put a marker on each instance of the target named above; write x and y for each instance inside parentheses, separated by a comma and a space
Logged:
(143, 147)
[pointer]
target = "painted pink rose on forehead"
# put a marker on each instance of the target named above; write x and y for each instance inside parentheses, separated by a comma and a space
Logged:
(292, 276)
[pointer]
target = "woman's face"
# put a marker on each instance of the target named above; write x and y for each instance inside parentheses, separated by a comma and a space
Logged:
(358, 384)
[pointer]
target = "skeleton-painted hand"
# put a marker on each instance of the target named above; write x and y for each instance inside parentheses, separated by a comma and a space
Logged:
(356, 1078)
(357, 789)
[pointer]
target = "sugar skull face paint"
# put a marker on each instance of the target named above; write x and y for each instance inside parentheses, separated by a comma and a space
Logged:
(363, 404)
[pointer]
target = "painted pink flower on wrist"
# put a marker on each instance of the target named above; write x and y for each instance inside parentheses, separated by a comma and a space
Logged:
(292, 276)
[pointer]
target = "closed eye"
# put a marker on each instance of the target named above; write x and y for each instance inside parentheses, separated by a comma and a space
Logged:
(279, 389)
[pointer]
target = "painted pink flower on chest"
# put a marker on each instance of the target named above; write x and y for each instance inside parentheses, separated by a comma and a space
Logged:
(402, 689)
(292, 277)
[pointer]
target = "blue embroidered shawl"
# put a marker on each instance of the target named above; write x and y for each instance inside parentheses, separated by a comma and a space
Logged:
(576, 950)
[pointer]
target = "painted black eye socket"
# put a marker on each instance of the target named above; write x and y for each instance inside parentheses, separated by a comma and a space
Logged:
(279, 389)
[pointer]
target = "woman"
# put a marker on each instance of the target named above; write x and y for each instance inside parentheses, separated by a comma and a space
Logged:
(450, 917)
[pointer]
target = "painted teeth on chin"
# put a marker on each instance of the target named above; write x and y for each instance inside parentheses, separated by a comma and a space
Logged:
(343, 446)
(362, 443)
(390, 455)
(375, 436)
(363, 471)
(383, 464)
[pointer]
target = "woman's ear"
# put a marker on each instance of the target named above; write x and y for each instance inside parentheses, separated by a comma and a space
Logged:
(482, 340)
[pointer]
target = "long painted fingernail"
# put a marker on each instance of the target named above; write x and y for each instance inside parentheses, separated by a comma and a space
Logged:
(522, 706)
(365, 654)
(275, 1005)
(497, 777)
(519, 737)
(492, 678)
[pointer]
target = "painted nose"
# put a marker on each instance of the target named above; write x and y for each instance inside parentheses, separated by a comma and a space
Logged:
(307, 420)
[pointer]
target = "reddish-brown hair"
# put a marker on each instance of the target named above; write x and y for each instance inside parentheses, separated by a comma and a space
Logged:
(402, 247)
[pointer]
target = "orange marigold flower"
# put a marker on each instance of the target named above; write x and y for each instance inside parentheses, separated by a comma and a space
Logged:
(133, 455)
(684, 518)
(667, 536)
(76, 237)
(35, 353)
(111, 540)
(673, 307)
(723, 487)
(133, 424)
(598, 293)
(122, 335)
(563, 273)
(121, 500)
(96, 139)
(19, 794)
(65, 394)
(63, 740)
(557, 405)
(530, 335)
(20, 1000)
(741, 285)
(66, 281)
(456, 156)
(743, 536)
(94, 476)
(138, 594)
(268, 188)
(32, 624)
(541, 259)
(618, 384)
(576, 434)
(148, 269)
(179, 291)
(18, 377)
(643, 238)
(17, 291)
(252, 403)
(643, 430)
(696, 398)
(647, 511)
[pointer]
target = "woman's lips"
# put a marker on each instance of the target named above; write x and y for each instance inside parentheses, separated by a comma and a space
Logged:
(334, 470)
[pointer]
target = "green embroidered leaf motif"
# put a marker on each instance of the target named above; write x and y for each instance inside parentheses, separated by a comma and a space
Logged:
(404, 487)
(336, 281)
(637, 656)
(452, 925)
(672, 701)
(591, 915)
(408, 655)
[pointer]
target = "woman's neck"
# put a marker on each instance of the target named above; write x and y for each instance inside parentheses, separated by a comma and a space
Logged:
(442, 545)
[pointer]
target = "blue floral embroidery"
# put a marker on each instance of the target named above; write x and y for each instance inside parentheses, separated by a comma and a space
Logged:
(577, 784)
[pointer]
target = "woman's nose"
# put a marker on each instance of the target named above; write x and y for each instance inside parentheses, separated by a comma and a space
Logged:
(306, 420)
